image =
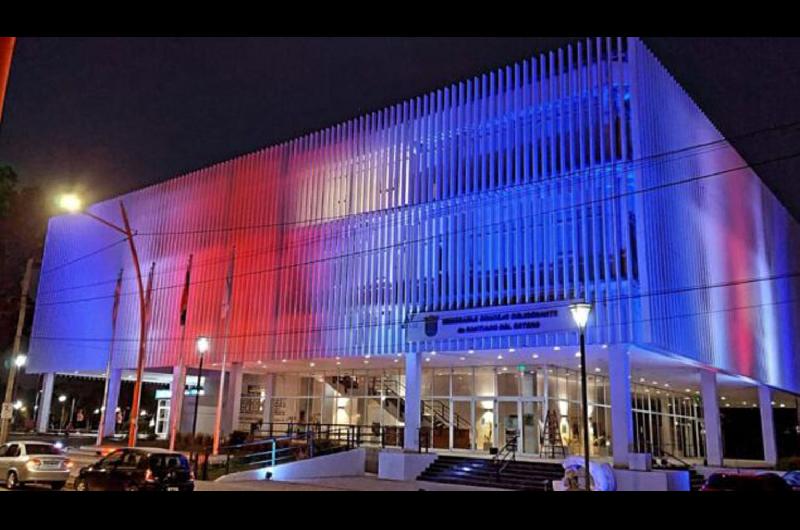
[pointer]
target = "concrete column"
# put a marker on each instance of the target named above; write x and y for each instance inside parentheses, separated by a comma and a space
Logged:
(111, 403)
(269, 391)
(767, 424)
(413, 403)
(43, 415)
(233, 399)
(708, 391)
(177, 390)
(619, 371)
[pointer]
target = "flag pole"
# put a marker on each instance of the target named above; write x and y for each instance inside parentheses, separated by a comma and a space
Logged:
(104, 406)
(226, 302)
(177, 394)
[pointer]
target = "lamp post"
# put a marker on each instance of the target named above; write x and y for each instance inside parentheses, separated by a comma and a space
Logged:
(580, 312)
(73, 204)
(63, 400)
(203, 344)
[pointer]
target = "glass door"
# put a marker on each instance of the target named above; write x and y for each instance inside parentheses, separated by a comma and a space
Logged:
(508, 424)
(462, 424)
(532, 427)
(484, 424)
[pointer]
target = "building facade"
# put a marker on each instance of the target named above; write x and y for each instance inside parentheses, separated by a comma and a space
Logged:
(411, 269)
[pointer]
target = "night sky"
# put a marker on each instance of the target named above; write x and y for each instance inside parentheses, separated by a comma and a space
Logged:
(115, 114)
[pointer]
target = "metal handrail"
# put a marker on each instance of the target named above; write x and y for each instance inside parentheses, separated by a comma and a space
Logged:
(506, 454)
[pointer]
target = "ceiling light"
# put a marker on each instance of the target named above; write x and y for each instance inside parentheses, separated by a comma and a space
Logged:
(535, 355)
(556, 348)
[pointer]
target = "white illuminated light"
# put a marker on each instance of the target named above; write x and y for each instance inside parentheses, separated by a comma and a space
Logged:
(499, 356)
(283, 360)
(605, 346)
(433, 353)
(461, 358)
(535, 355)
(312, 365)
(580, 313)
(471, 352)
(396, 361)
(577, 354)
(556, 348)
(641, 379)
(17, 405)
(203, 345)
(338, 363)
(70, 202)
(427, 359)
(511, 350)
(597, 369)
(20, 360)
(62, 398)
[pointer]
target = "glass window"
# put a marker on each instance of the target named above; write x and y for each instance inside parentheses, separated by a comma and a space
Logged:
(484, 381)
(427, 382)
(462, 381)
(42, 449)
(441, 382)
(507, 382)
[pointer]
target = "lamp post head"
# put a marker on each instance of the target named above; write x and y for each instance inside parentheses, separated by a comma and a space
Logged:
(62, 398)
(20, 360)
(70, 202)
(203, 345)
(580, 312)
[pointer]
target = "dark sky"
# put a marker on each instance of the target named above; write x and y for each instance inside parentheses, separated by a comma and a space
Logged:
(114, 114)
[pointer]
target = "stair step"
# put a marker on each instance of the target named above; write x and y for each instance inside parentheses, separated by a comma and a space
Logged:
(516, 475)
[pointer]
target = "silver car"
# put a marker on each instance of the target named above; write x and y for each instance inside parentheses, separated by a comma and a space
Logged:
(25, 462)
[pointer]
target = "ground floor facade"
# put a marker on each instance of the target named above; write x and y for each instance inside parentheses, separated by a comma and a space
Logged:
(476, 401)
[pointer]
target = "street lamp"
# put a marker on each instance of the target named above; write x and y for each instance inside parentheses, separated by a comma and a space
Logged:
(62, 399)
(72, 203)
(580, 313)
(203, 345)
(20, 360)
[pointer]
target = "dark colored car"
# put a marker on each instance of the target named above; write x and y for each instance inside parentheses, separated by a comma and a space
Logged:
(765, 482)
(135, 469)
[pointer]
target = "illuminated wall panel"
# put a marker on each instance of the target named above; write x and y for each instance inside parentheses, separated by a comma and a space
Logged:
(529, 184)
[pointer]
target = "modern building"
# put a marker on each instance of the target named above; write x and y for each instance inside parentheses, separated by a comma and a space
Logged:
(410, 270)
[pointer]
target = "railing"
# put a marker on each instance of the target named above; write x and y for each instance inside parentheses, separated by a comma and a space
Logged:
(423, 439)
(658, 451)
(506, 454)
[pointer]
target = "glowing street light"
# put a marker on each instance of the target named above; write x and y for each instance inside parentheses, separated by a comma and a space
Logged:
(202, 346)
(62, 398)
(580, 313)
(20, 360)
(18, 405)
(72, 203)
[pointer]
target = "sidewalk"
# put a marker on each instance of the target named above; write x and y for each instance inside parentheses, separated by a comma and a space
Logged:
(368, 482)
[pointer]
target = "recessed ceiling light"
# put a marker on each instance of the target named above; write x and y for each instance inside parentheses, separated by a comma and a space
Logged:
(505, 368)
(338, 363)
(461, 358)
(556, 348)
(577, 354)
(366, 361)
(312, 365)
(688, 389)
(723, 398)
(471, 352)
(511, 350)
(499, 356)
(427, 359)
(605, 346)
(338, 358)
(535, 355)
(597, 369)
(367, 356)
(641, 379)
(433, 353)
(666, 385)
(283, 360)
(655, 382)
(396, 361)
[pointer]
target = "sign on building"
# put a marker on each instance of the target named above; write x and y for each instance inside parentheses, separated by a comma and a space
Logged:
(488, 322)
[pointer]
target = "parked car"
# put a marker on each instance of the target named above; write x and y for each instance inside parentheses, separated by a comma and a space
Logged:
(792, 478)
(135, 469)
(24, 462)
(766, 482)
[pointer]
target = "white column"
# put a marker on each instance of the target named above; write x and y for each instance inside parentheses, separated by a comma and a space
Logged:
(177, 390)
(43, 415)
(619, 371)
(708, 391)
(412, 401)
(111, 402)
(269, 391)
(767, 424)
(233, 401)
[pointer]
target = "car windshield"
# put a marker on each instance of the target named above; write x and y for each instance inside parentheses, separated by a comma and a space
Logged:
(169, 461)
(42, 449)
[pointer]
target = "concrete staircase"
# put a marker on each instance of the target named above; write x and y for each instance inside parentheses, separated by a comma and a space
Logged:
(517, 475)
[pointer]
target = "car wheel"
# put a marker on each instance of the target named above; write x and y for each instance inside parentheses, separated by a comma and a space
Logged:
(57, 485)
(12, 482)
(80, 485)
